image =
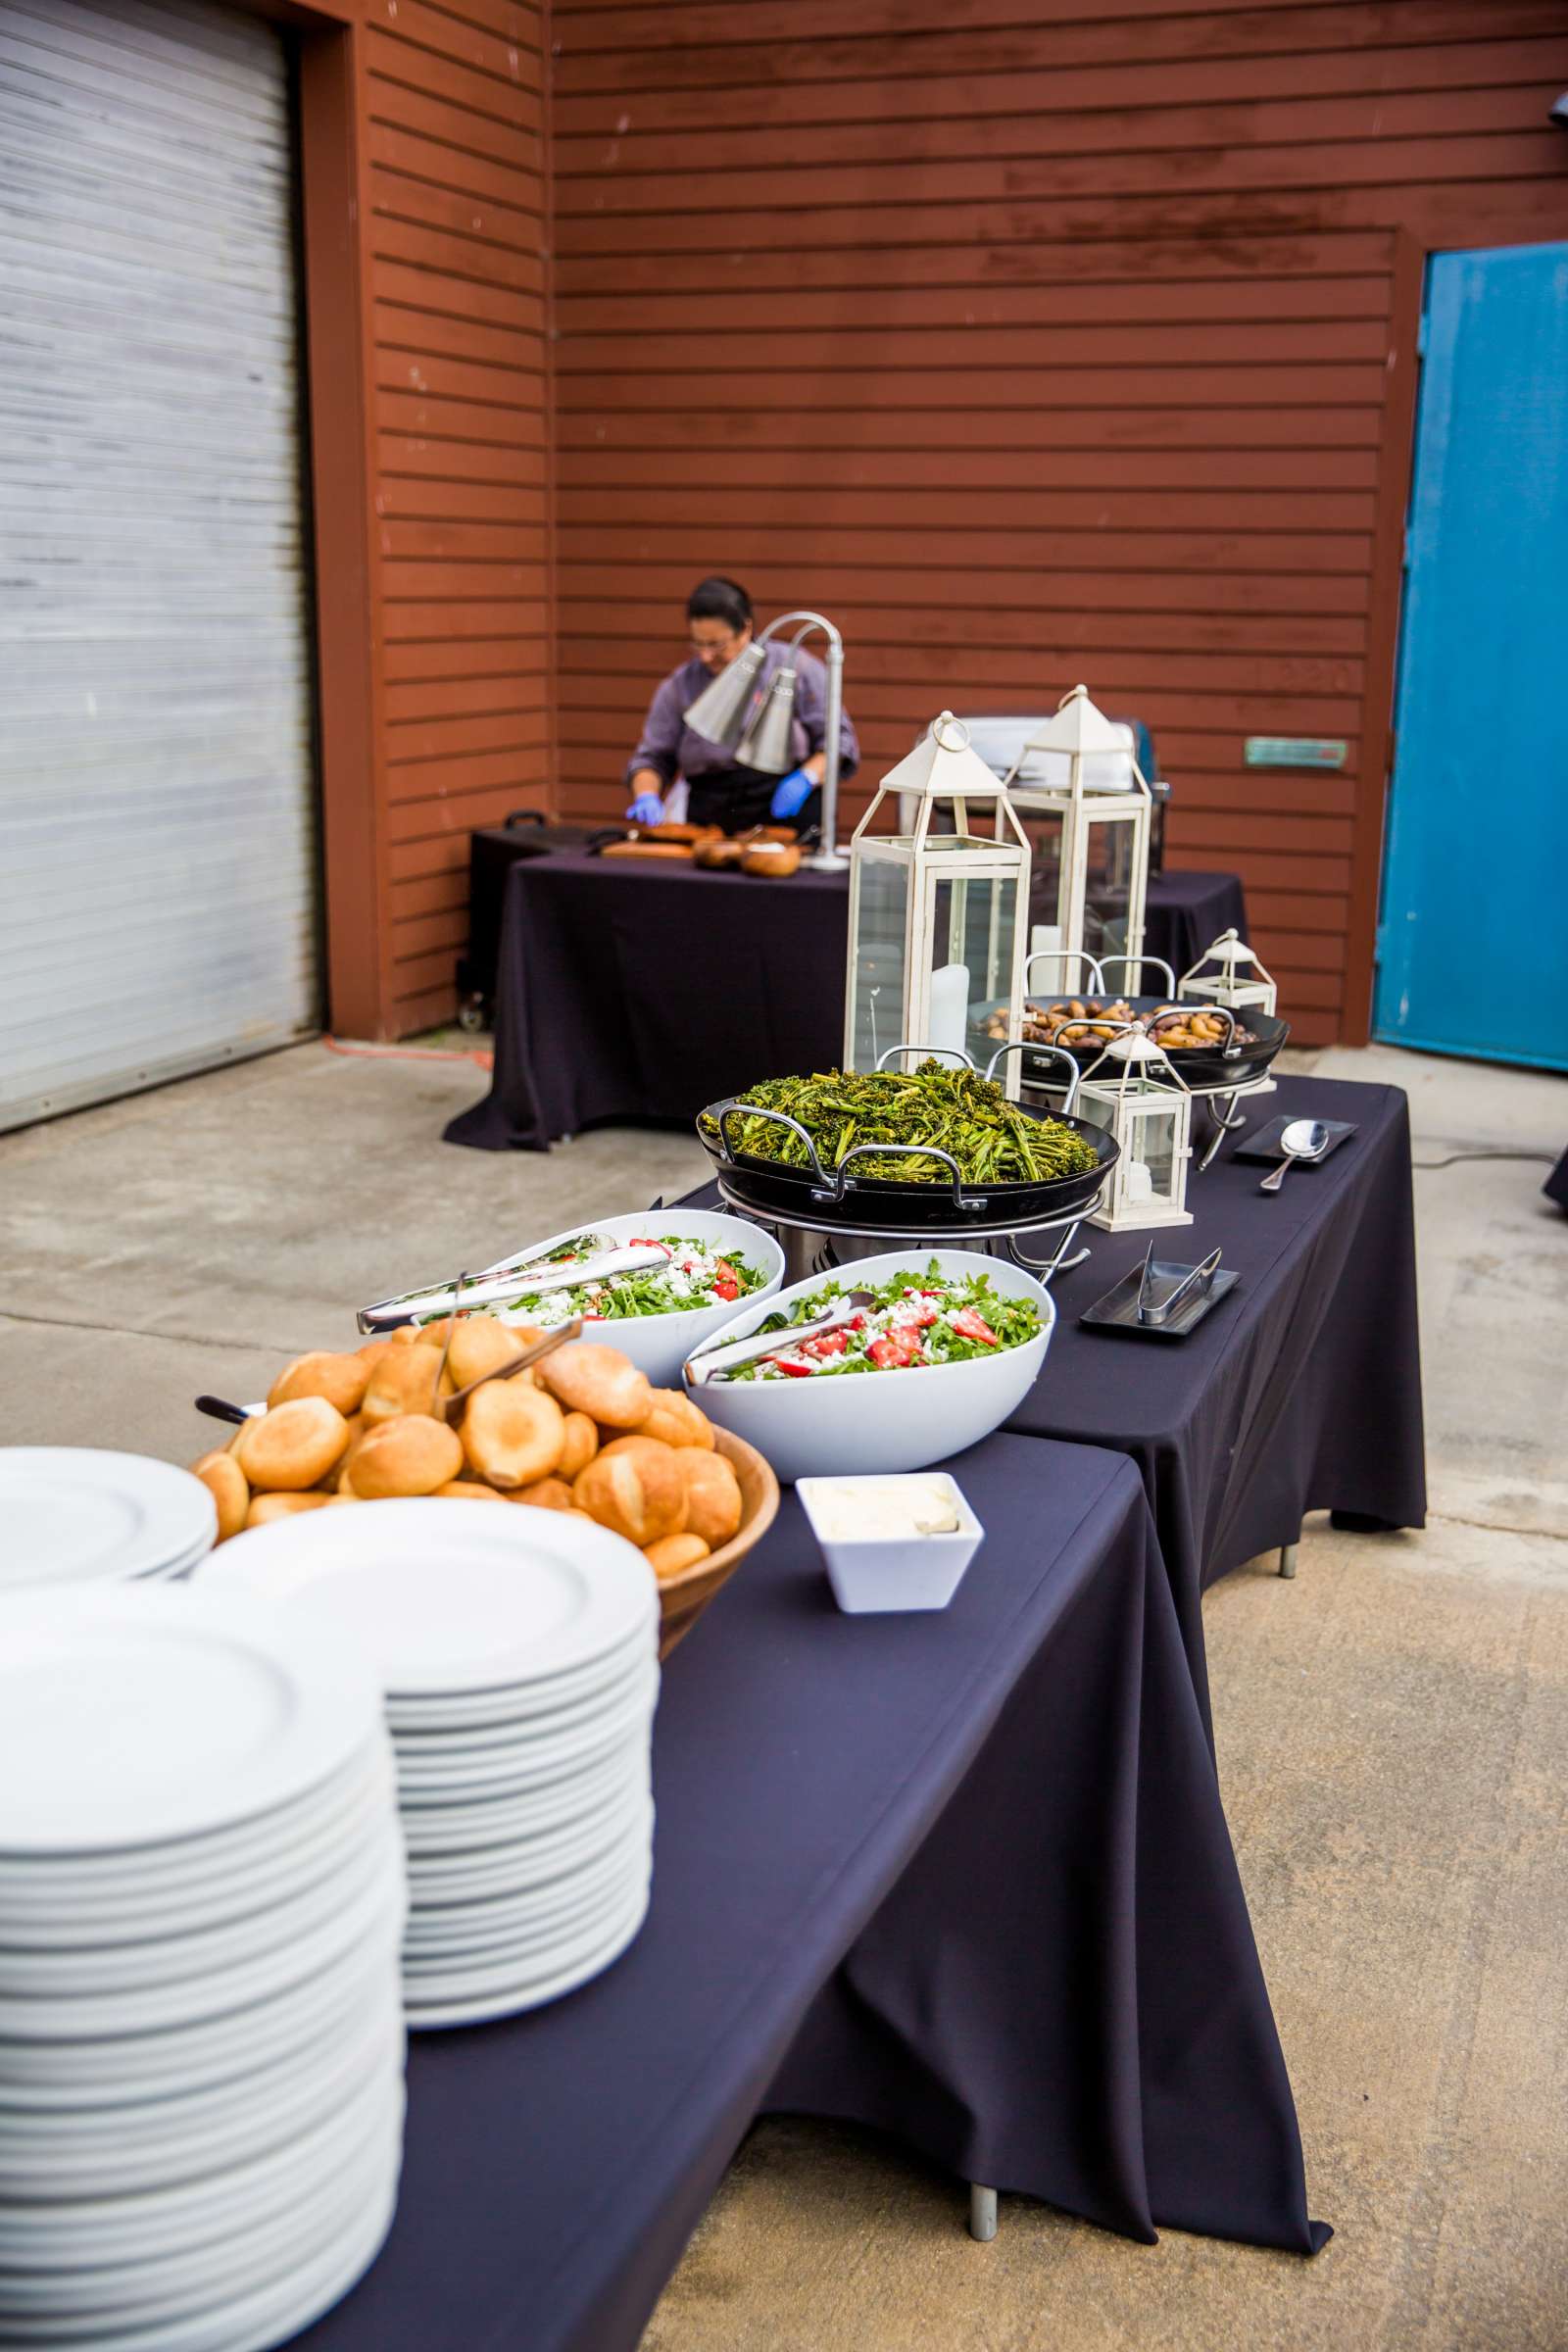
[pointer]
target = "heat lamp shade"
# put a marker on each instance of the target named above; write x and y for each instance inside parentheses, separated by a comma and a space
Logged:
(767, 743)
(720, 711)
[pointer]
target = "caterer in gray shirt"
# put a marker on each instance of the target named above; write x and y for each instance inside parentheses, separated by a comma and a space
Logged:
(718, 616)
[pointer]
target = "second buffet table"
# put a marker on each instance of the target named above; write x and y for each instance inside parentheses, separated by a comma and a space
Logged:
(964, 1877)
(628, 992)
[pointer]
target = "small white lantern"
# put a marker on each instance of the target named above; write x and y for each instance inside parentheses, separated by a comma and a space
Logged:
(1240, 979)
(1135, 1093)
(938, 919)
(1079, 789)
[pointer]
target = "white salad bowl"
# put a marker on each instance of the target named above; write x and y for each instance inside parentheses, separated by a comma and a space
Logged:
(897, 1420)
(658, 1344)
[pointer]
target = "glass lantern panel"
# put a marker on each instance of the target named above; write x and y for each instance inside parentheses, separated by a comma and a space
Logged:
(1107, 887)
(973, 925)
(879, 982)
(1151, 1137)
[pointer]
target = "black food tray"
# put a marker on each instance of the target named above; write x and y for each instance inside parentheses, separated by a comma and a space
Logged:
(1117, 1310)
(1196, 1066)
(1265, 1144)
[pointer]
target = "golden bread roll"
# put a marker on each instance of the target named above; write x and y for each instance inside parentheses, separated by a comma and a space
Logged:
(467, 1489)
(713, 1505)
(590, 1378)
(413, 1455)
(546, 1494)
(371, 1352)
(343, 1486)
(583, 1443)
(290, 1447)
(404, 1382)
(434, 1335)
(672, 1555)
(480, 1345)
(406, 1335)
(512, 1433)
(340, 1379)
(228, 1487)
(677, 1420)
(634, 1488)
(266, 1507)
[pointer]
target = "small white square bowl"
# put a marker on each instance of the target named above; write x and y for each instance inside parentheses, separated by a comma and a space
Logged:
(905, 1572)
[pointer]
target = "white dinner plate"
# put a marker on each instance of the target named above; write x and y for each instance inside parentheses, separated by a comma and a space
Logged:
(529, 1862)
(523, 1950)
(518, 1935)
(85, 1972)
(444, 1599)
(439, 2006)
(177, 2060)
(73, 1514)
(531, 1765)
(281, 2106)
(88, 2231)
(147, 2009)
(130, 1714)
(633, 1667)
(498, 1819)
(118, 1871)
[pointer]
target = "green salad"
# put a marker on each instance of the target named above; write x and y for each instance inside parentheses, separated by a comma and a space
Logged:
(916, 1318)
(693, 1276)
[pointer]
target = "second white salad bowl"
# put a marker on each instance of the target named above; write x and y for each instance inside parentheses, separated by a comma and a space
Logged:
(832, 1425)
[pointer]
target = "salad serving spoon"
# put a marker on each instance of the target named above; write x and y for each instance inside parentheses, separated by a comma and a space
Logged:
(719, 1358)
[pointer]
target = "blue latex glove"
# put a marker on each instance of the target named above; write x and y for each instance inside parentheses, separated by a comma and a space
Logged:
(791, 795)
(647, 810)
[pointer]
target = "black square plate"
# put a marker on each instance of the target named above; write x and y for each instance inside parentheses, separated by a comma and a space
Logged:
(1118, 1309)
(1265, 1144)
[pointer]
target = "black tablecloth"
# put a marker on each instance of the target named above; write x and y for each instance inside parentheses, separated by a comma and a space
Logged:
(1301, 1392)
(1555, 1187)
(963, 1877)
(638, 993)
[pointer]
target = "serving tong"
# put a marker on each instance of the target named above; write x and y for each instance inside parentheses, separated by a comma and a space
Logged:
(1195, 1283)
(702, 1366)
(512, 1275)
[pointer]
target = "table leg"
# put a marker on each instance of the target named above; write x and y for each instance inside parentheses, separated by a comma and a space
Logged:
(982, 2213)
(1287, 1559)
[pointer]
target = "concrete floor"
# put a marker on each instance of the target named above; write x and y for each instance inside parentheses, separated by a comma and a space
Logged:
(1392, 1726)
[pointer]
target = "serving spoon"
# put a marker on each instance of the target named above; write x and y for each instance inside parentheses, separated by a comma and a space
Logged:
(1303, 1138)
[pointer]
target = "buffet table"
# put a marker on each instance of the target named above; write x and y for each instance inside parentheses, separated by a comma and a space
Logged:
(964, 1877)
(636, 992)
(1299, 1392)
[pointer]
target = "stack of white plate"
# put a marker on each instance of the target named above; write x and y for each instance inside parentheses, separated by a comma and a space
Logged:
(201, 1905)
(73, 1515)
(517, 1650)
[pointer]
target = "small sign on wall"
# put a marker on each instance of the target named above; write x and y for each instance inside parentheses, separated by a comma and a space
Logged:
(1294, 750)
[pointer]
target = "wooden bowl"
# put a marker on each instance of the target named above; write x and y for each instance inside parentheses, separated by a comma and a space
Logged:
(683, 1598)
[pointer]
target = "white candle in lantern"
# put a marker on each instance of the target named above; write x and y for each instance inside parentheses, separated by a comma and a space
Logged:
(950, 1006)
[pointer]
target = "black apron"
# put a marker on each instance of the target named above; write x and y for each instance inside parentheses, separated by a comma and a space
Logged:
(738, 797)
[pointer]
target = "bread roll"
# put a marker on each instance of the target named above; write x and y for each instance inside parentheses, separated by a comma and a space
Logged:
(413, 1455)
(480, 1345)
(293, 1445)
(546, 1494)
(587, 1377)
(340, 1379)
(677, 1420)
(403, 1381)
(512, 1433)
(713, 1504)
(672, 1555)
(434, 1335)
(406, 1335)
(371, 1352)
(636, 1490)
(467, 1489)
(583, 1443)
(228, 1487)
(266, 1507)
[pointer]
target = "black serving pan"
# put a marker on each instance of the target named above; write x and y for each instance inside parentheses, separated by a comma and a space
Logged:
(825, 1197)
(1198, 1067)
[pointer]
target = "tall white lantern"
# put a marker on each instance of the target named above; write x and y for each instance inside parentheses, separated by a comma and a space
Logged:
(1081, 793)
(1135, 1092)
(938, 918)
(1239, 980)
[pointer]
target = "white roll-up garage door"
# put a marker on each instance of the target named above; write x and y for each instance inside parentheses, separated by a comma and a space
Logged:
(158, 868)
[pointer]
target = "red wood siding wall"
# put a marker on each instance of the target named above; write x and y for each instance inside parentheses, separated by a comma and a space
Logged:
(1034, 343)
(453, 120)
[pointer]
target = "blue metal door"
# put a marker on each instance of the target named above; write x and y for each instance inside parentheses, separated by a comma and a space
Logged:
(1473, 947)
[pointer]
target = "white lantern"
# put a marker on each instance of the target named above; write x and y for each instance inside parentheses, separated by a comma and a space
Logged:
(1240, 980)
(937, 917)
(1084, 801)
(1135, 1092)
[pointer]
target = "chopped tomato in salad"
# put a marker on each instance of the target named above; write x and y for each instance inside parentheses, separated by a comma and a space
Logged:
(691, 1276)
(917, 1319)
